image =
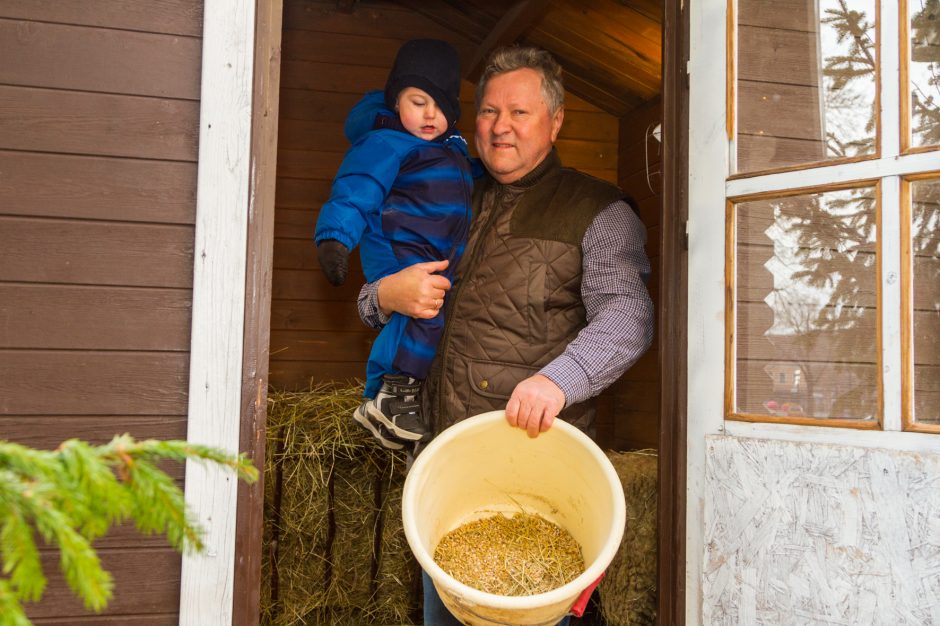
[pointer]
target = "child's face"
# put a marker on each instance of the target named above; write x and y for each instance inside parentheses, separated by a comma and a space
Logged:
(419, 114)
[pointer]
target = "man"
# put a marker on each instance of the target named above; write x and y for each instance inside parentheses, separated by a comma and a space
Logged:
(549, 305)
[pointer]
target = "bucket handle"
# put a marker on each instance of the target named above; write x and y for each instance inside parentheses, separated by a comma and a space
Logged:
(577, 609)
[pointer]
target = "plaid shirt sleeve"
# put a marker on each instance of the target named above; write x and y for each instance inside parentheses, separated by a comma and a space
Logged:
(368, 305)
(619, 310)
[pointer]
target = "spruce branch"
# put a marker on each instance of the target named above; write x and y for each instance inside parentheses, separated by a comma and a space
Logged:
(74, 494)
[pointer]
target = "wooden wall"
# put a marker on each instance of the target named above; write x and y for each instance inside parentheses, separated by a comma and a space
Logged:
(99, 110)
(329, 59)
(630, 408)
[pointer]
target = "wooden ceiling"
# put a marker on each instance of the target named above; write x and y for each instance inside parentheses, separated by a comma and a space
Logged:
(611, 50)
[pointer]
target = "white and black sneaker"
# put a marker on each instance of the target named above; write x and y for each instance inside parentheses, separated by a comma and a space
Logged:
(394, 415)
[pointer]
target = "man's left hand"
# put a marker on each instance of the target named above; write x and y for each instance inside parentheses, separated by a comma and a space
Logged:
(534, 404)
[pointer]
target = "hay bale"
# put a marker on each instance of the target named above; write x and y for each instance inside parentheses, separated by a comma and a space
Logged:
(398, 577)
(628, 592)
(323, 479)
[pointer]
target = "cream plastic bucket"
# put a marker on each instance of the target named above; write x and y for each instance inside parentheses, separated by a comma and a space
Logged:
(482, 465)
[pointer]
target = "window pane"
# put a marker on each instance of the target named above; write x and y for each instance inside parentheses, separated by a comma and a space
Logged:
(805, 302)
(925, 246)
(806, 82)
(925, 72)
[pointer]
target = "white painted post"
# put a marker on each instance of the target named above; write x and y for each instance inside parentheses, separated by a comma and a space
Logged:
(218, 301)
(708, 170)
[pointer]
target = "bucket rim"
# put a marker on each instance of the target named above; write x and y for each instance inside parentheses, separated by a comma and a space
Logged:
(570, 590)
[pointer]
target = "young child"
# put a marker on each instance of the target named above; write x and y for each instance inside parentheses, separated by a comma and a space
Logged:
(402, 194)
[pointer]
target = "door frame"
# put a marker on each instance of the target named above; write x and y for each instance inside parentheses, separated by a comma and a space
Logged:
(672, 318)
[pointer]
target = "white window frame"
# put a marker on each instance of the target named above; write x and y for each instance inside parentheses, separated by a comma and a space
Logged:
(710, 153)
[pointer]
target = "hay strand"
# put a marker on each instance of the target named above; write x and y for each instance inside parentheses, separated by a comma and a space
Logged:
(628, 592)
(324, 515)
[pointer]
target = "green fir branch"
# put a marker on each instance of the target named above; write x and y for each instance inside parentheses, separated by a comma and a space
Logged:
(75, 494)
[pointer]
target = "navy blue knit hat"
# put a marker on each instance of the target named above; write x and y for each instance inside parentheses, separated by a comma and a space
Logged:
(431, 65)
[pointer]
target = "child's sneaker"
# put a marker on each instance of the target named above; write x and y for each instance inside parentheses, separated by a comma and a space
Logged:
(394, 415)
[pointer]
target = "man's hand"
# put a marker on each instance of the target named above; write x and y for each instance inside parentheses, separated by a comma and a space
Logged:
(534, 404)
(416, 291)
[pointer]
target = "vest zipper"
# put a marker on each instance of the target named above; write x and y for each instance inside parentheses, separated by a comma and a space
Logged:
(445, 339)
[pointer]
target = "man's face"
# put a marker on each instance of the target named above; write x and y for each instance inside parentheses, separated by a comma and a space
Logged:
(514, 129)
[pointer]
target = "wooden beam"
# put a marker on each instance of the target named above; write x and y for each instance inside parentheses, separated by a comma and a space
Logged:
(346, 6)
(449, 17)
(516, 21)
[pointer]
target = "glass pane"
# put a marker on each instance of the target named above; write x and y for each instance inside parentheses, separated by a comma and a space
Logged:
(925, 245)
(806, 302)
(806, 84)
(925, 72)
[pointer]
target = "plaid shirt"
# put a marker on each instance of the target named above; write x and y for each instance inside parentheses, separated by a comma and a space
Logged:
(620, 316)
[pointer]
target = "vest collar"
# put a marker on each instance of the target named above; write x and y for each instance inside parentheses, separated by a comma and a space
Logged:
(549, 164)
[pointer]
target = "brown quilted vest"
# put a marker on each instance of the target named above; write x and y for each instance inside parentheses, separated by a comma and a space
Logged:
(516, 302)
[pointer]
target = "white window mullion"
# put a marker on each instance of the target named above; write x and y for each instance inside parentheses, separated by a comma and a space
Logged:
(890, 79)
(872, 169)
(889, 237)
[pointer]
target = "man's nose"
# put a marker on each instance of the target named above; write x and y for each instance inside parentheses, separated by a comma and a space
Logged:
(501, 124)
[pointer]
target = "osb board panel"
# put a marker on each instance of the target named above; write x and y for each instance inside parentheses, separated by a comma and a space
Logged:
(801, 533)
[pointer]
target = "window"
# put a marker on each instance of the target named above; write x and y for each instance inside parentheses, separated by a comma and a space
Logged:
(805, 285)
(807, 76)
(922, 260)
(833, 215)
(921, 97)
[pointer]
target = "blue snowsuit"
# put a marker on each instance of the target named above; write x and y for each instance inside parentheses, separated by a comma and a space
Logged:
(403, 200)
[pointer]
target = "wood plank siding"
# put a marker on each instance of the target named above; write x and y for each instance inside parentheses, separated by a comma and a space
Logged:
(632, 403)
(330, 57)
(99, 111)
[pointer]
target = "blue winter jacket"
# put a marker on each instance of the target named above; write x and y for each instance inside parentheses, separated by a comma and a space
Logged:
(402, 199)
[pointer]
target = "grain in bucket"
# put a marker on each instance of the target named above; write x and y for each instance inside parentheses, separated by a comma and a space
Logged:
(483, 466)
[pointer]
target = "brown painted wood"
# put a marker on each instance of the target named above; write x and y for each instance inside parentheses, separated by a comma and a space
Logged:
(311, 104)
(98, 143)
(249, 522)
(780, 56)
(333, 77)
(167, 619)
(48, 431)
(516, 20)
(99, 188)
(40, 382)
(672, 318)
(797, 15)
(315, 315)
(298, 223)
(297, 375)
(145, 581)
(342, 48)
(315, 345)
(311, 285)
(300, 194)
(100, 124)
(176, 17)
(41, 54)
(46, 316)
(96, 253)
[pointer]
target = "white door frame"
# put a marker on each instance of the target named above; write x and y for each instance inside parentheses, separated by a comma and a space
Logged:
(222, 208)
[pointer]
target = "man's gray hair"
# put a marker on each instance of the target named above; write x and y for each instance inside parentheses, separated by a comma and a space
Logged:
(511, 58)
